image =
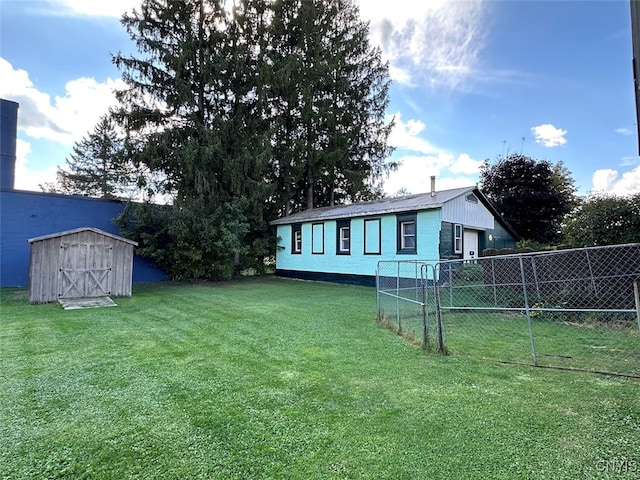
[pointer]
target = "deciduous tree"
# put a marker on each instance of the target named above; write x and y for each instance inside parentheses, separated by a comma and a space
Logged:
(532, 195)
(602, 219)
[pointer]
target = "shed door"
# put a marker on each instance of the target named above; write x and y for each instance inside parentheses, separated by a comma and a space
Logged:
(470, 243)
(85, 270)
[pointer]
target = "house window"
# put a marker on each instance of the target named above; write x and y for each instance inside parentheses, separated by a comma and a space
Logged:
(372, 236)
(343, 240)
(317, 238)
(296, 238)
(457, 238)
(471, 198)
(407, 238)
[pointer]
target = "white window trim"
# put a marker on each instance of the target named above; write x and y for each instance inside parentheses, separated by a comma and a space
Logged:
(404, 236)
(297, 241)
(345, 238)
(458, 233)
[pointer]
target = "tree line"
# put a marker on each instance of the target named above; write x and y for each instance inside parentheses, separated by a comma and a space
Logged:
(538, 198)
(240, 112)
(244, 111)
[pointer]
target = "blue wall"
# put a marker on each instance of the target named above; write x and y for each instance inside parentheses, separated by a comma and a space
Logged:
(25, 215)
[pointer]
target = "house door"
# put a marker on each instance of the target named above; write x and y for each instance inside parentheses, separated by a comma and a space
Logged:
(85, 270)
(470, 244)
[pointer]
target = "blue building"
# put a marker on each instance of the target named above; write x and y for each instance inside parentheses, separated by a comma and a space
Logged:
(344, 243)
(25, 215)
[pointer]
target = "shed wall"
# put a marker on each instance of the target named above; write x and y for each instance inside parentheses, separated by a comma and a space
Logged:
(45, 270)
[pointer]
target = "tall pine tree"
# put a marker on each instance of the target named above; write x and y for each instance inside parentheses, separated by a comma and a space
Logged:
(329, 94)
(249, 112)
(97, 167)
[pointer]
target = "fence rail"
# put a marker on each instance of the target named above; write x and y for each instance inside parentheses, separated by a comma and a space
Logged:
(577, 309)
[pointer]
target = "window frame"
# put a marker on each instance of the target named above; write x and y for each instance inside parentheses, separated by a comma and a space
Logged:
(458, 235)
(314, 226)
(296, 238)
(401, 222)
(341, 226)
(378, 251)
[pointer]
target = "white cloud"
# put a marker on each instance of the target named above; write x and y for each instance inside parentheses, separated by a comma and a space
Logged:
(624, 131)
(93, 8)
(425, 159)
(466, 165)
(433, 42)
(610, 181)
(405, 136)
(400, 75)
(414, 172)
(27, 178)
(65, 119)
(628, 161)
(549, 136)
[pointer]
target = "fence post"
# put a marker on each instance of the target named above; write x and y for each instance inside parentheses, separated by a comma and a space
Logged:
(440, 333)
(636, 294)
(493, 276)
(425, 310)
(527, 311)
(593, 280)
(378, 289)
(398, 301)
(535, 277)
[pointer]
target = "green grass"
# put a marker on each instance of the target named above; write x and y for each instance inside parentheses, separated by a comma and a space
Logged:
(602, 342)
(267, 378)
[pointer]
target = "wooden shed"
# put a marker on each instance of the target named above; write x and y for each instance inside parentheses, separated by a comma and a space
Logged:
(80, 263)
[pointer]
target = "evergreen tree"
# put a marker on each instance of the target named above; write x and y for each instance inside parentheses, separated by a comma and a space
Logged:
(96, 166)
(533, 196)
(271, 105)
(329, 95)
(192, 104)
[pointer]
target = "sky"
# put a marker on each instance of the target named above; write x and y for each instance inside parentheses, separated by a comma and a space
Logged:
(472, 80)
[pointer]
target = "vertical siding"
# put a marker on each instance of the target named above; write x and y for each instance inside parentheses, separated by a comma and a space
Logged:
(43, 271)
(121, 271)
(86, 250)
(357, 263)
(469, 214)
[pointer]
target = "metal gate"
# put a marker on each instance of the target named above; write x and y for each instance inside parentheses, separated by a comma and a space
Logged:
(85, 270)
(572, 309)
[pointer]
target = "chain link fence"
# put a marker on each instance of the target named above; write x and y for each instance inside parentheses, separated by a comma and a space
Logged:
(573, 309)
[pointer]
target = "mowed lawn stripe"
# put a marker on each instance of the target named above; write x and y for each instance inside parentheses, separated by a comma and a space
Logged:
(269, 378)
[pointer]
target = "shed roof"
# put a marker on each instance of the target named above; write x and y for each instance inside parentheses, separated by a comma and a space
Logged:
(82, 229)
(409, 203)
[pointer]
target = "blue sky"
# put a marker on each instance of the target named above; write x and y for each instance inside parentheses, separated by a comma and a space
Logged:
(473, 80)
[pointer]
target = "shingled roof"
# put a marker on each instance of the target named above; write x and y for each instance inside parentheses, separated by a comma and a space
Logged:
(410, 203)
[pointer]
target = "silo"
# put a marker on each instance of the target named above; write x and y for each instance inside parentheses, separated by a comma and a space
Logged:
(8, 135)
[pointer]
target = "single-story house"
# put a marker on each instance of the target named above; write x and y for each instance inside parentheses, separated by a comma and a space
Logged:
(345, 243)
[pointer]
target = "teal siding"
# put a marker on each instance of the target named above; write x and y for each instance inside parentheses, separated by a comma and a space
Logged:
(357, 263)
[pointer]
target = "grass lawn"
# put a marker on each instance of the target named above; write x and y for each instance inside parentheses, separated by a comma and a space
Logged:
(269, 378)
